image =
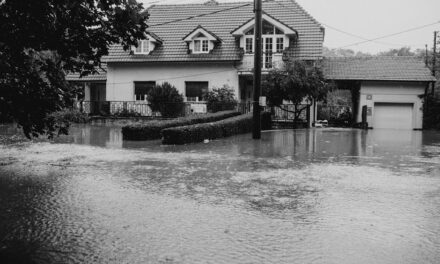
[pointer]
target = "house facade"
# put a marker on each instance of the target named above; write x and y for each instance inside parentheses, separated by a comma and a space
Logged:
(198, 47)
(390, 90)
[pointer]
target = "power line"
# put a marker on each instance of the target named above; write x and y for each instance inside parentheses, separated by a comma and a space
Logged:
(391, 35)
(365, 39)
(201, 15)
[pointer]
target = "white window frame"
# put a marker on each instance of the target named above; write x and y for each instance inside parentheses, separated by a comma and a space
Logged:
(201, 41)
(141, 45)
(252, 44)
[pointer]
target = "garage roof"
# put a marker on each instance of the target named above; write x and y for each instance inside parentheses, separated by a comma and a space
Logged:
(385, 68)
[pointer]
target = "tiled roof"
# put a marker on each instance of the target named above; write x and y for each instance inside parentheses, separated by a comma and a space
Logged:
(392, 68)
(221, 20)
(100, 76)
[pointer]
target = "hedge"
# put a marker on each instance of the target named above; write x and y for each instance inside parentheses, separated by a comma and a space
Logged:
(224, 128)
(152, 129)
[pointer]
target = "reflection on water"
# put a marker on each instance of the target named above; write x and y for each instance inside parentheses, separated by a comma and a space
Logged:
(296, 196)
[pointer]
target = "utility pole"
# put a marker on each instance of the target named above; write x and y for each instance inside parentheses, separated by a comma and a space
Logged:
(426, 55)
(256, 129)
(434, 55)
(434, 62)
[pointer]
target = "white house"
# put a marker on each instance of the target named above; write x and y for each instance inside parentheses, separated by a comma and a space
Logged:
(391, 89)
(198, 47)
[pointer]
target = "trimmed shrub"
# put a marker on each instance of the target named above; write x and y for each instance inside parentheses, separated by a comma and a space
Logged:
(152, 129)
(197, 133)
(166, 99)
(70, 115)
(220, 99)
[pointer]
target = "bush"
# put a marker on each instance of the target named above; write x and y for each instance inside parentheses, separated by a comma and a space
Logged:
(127, 113)
(152, 129)
(199, 132)
(166, 99)
(220, 99)
(70, 115)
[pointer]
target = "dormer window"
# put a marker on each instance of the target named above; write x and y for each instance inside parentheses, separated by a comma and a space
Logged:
(200, 40)
(143, 47)
(201, 45)
(147, 45)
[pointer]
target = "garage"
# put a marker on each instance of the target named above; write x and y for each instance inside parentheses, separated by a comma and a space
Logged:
(386, 91)
(393, 116)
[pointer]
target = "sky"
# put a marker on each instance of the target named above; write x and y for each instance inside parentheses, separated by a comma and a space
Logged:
(352, 21)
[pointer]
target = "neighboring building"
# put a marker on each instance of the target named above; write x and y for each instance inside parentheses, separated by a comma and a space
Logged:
(391, 88)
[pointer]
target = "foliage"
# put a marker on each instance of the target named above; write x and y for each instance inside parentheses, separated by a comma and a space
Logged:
(71, 115)
(220, 99)
(127, 113)
(431, 117)
(42, 40)
(166, 99)
(152, 130)
(199, 132)
(295, 82)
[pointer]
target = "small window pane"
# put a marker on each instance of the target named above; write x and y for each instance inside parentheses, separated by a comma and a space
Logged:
(196, 45)
(249, 45)
(139, 47)
(205, 45)
(145, 46)
(268, 45)
(268, 61)
(194, 91)
(280, 45)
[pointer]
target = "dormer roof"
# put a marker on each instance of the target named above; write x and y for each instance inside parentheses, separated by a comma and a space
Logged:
(153, 37)
(201, 30)
(241, 30)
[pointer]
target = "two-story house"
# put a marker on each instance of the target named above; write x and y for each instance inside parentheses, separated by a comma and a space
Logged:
(197, 47)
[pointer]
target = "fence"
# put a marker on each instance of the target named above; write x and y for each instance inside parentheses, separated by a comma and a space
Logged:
(136, 108)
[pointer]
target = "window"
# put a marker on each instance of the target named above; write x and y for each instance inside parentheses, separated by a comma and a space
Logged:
(249, 45)
(143, 47)
(280, 45)
(268, 47)
(201, 46)
(194, 91)
(141, 90)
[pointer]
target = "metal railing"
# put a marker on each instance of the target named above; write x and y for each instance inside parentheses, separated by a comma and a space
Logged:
(143, 108)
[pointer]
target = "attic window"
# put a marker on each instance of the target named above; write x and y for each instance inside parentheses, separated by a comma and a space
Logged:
(201, 45)
(143, 47)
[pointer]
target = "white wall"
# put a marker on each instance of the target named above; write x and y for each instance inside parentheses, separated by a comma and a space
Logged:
(121, 77)
(392, 92)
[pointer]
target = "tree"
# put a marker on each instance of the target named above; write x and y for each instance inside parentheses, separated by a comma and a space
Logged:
(41, 41)
(295, 82)
(165, 99)
(220, 99)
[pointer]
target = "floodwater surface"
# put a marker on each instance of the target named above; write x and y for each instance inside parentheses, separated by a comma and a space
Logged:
(295, 196)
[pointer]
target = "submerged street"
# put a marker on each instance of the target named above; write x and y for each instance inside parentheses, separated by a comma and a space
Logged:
(296, 196)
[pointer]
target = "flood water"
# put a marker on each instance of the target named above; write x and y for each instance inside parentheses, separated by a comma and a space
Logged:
(296, 196)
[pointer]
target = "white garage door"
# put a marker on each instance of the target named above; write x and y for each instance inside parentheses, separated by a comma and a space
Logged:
(396, 116)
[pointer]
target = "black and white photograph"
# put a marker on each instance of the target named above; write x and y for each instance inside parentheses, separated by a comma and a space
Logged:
(219, 131)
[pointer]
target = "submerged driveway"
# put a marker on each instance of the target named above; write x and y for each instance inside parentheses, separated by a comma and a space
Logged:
(296, 196)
